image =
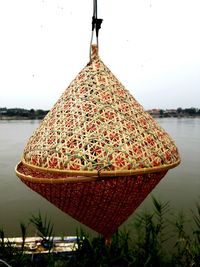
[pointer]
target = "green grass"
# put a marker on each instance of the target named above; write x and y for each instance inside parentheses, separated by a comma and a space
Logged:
(157, 238)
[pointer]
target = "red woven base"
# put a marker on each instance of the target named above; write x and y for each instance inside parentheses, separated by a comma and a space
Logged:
(101, 205)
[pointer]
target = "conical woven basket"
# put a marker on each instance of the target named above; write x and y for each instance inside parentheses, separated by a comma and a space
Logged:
(97, 154)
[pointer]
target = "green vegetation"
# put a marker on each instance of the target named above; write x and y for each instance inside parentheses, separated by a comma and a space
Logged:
(20, 113)
(158, 239)
(44, 230)
(179, 112)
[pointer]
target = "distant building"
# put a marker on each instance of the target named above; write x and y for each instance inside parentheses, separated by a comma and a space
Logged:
(154, 112)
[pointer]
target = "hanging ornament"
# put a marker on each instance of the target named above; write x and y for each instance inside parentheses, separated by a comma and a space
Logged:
(97, 154)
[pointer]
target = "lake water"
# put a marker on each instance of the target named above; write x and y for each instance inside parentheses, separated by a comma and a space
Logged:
(181, 186)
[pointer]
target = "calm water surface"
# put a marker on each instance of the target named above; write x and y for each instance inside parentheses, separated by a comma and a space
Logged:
(181, 186)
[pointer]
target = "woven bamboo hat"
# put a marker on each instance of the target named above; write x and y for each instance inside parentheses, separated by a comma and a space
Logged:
(95, 132)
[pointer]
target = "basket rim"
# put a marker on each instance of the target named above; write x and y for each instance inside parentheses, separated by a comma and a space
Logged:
(101, 173)
(70, 179)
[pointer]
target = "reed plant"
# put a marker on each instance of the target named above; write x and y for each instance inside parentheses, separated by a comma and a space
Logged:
(44, 229)
(156, 238)
(10, 255)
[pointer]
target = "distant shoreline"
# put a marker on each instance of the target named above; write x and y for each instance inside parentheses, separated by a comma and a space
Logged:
(39, 114)
(20, 118)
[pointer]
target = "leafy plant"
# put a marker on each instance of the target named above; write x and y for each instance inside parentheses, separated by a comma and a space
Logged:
(151, 235)
(146, 248)
(196, 234)
(24, 232)
(44, 229)
(2, 241)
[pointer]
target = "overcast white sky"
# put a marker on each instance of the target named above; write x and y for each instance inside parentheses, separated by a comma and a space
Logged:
(152, 46)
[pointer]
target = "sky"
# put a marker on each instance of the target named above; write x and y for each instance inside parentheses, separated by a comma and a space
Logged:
(152, 47)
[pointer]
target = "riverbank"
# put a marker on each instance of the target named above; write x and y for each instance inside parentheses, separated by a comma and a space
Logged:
(22, 114)
(10, 118)
(147, 247)
(31, 114)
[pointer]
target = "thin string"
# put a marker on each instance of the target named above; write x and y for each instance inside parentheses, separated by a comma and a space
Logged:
(96, 25)
(94, 8)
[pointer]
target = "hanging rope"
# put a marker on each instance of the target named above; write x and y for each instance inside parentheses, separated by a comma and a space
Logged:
(96, 25)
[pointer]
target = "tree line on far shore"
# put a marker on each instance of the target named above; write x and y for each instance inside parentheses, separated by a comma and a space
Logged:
(20, 113)
(23, 113)
(179, 112)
